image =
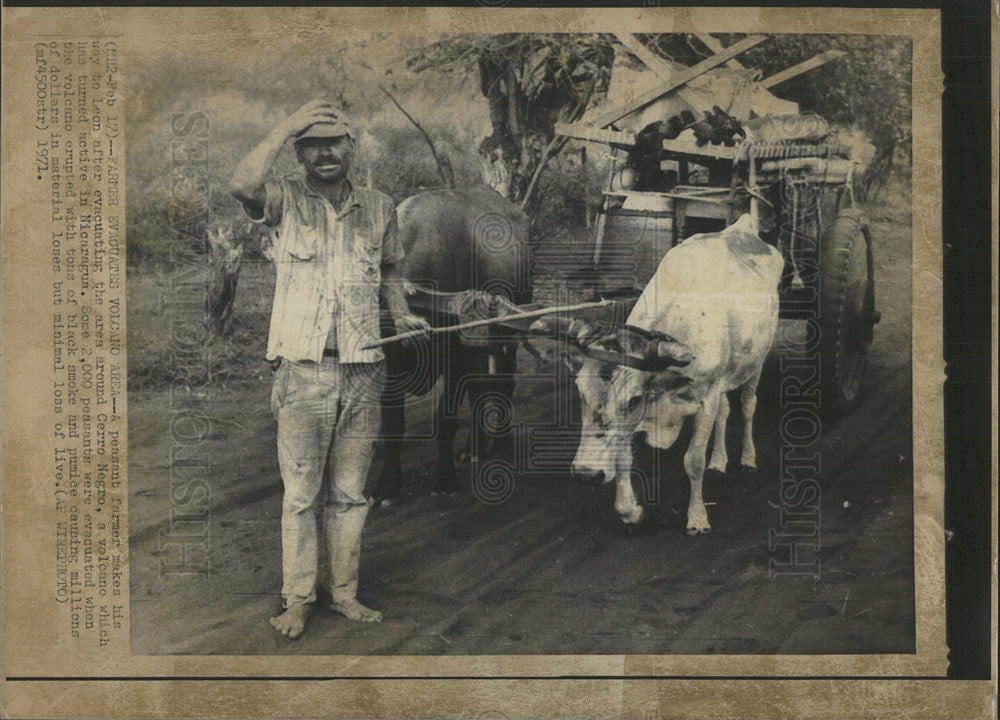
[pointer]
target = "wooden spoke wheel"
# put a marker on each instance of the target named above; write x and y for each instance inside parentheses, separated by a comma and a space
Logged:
(847, 310)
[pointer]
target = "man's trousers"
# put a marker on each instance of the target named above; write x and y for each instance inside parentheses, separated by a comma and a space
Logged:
(328, 421)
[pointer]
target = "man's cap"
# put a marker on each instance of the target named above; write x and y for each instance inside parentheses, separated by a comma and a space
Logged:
(326, 129)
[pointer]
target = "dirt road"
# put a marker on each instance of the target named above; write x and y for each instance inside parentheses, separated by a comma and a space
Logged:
(548, 571)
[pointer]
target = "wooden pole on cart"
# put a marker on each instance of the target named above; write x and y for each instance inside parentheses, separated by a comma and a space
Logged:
(752, 182)
(677, 80)
(605, 203)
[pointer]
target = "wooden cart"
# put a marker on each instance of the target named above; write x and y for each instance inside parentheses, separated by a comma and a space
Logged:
(670, 179)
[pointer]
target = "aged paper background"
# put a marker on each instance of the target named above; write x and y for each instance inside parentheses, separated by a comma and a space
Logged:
(592, 686)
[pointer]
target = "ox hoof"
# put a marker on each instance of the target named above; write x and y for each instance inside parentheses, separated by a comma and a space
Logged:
(387, 501)
(631, 518)
(447, 488)
(632, 529)
(445, 481)
(388, 487)
(698, 523)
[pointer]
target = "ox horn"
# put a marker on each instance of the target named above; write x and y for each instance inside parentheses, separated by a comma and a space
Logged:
(672, 352)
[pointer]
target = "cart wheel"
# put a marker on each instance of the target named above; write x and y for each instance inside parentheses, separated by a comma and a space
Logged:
(847, 310)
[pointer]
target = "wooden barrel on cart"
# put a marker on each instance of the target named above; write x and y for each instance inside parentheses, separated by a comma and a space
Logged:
(636, 236)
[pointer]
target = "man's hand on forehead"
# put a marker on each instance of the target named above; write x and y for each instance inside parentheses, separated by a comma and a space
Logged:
(315, 111)
(322, 109)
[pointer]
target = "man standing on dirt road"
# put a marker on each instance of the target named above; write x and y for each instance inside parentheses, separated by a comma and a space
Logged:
(335, 251)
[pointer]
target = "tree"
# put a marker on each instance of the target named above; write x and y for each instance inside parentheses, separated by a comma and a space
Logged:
(531, 82)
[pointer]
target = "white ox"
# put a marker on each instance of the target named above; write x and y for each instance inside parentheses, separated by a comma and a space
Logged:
(717, 294)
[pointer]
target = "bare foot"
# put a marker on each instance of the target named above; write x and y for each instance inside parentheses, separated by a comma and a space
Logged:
(353, 610)
(292, 622)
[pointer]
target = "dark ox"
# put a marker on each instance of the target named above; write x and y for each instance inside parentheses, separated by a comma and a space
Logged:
(455, 240)
(716, 294)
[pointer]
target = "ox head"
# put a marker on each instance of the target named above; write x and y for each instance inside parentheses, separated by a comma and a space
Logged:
(619, 373)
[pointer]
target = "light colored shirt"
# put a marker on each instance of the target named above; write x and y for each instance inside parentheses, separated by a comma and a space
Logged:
(328, 269)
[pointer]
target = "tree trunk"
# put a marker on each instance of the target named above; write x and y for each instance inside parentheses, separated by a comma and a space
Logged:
(523, 115)
(497, 166)
(500, 152)
(225, 259)
(877, 172)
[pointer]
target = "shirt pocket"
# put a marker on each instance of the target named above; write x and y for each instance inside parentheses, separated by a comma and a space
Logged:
(302, 243)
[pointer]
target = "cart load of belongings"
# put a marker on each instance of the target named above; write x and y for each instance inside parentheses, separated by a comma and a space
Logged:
(742, 109)
(736, 109)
